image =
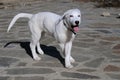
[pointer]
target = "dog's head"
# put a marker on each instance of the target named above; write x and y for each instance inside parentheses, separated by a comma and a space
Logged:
(72, 19)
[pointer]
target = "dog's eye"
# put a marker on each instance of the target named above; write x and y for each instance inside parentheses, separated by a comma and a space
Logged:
(71, 15)
(78, 15)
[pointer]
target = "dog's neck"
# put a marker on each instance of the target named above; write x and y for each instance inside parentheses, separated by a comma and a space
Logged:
(66, 25)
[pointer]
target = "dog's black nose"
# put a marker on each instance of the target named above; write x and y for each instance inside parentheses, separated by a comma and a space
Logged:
(77, 22)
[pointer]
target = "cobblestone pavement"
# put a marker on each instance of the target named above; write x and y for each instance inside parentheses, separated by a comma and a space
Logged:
(96, 47)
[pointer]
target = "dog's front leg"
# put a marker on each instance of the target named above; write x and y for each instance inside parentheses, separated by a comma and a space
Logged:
(68, 47)
(63, 51)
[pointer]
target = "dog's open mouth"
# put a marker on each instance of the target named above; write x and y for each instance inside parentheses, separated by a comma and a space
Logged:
(75, 28)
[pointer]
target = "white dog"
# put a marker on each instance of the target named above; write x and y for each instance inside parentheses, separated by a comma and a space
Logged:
(62, 28)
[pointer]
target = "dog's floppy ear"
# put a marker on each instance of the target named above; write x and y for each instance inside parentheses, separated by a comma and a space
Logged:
(64, 15)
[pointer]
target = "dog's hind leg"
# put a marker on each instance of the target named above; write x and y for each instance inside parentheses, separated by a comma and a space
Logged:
(33, 45)
(36, 35)
(40, 51)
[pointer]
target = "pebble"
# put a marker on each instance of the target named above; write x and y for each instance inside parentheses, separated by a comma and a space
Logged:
(105, 14)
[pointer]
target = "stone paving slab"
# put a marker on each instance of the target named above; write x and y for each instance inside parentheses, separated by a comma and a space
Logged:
(96, 47)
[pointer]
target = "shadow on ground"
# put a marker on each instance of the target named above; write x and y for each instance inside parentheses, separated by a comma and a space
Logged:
(48, 50)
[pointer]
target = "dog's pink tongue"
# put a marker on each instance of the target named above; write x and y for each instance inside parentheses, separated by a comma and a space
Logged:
(76, 29)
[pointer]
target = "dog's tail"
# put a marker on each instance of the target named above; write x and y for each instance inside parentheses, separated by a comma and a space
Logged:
(20, 15)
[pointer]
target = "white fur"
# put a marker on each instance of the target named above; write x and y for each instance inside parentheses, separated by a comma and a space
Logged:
(55, 25)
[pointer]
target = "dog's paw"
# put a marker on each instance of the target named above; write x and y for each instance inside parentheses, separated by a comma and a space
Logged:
(69, 66)
(72, 60)
(37, 58)
(40, 52)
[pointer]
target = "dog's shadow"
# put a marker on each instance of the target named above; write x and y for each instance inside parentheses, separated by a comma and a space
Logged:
(48, 50)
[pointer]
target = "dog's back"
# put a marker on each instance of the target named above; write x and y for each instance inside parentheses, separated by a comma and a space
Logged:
(46, 20)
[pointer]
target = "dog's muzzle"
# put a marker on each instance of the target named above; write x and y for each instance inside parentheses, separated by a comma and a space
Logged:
(76, 27)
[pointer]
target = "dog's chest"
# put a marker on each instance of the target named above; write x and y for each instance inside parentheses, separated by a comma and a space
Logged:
(64, 37)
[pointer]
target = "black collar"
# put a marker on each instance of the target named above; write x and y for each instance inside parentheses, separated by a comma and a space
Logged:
(70, 29)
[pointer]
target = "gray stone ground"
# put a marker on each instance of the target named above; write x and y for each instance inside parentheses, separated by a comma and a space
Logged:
(96, 47)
